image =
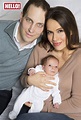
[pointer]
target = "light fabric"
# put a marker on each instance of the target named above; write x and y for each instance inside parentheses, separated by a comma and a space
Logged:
(36, 96)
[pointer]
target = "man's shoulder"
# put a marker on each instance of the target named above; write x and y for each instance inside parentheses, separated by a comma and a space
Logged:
(7, 27)
(5, 23)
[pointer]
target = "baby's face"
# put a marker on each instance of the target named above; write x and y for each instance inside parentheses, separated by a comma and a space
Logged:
(51, 67)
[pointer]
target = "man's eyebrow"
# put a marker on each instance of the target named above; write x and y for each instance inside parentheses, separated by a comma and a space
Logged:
(33, 21)
(40, 23)
(29, 18)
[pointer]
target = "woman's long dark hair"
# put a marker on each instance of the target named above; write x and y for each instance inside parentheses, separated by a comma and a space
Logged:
(67, 21)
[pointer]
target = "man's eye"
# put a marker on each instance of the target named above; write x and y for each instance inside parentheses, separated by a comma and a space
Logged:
(28, 20)
(40, 25)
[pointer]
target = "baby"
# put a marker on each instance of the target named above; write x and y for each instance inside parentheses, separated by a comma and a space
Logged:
(35, 95)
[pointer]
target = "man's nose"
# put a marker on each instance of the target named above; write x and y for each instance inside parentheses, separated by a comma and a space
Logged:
(31, 28)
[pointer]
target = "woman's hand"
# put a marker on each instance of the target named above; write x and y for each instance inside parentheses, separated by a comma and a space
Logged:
(41, 80)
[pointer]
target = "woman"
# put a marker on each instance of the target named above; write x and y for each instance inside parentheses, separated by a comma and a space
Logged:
(63, 42)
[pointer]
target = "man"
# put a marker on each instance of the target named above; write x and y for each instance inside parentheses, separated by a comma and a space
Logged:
(17, 40)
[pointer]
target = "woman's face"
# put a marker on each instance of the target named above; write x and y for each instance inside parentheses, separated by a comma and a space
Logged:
(56, 35)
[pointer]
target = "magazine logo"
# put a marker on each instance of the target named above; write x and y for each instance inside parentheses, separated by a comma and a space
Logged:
(12, 5)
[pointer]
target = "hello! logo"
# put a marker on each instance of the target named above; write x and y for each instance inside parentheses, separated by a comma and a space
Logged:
(12, 5)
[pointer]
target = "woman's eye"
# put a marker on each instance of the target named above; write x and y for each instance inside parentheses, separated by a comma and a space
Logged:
(49, 32)
(59, 31)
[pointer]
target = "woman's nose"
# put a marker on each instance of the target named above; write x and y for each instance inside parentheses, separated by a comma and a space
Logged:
(54, 37)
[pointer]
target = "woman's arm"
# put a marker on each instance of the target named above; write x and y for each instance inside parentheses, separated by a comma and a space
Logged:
(39, 79)
(71, 88)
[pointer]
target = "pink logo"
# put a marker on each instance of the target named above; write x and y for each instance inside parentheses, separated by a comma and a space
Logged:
(12, 5)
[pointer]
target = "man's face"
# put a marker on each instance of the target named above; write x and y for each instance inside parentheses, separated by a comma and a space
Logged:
(31, 25)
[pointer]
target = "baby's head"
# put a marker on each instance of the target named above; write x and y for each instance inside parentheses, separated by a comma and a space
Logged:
(50, 65)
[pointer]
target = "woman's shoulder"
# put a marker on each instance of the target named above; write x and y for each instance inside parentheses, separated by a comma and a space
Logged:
(39, 48)
(77, 53)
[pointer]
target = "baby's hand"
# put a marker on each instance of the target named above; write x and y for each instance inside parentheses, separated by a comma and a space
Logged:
(31, 72)
(28, 104)
(56, 105)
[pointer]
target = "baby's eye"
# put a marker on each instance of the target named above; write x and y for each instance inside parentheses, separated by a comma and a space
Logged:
(56, 66)
(49, 65)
